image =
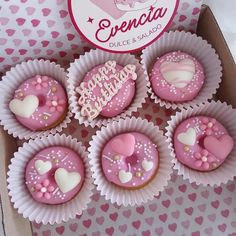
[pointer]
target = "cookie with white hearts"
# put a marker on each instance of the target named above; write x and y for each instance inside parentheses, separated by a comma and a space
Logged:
(54, 175)
(177, 77)
(39, 103)
(202, 143)
(130, 160)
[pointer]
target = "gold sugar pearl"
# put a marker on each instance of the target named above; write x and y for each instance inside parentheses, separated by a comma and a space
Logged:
(214, 165)
(54, 89)
(21, 94)
(32, 189)
(186, 148)
(117, 157)
(45, 117)
(56, 161)
(138, 174)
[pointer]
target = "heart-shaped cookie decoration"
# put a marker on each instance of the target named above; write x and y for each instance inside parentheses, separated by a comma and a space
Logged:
(178, 74)
(147, 165)
(188, 137)
(26, 107)
(221, 147)
(123, 144)
(42, 167)
(124, 176)
(65, 180)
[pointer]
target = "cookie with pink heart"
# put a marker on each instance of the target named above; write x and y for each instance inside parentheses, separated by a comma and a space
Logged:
(130, 160)
(54, 175)
(202, 143)
(177, 77)
(39, 103)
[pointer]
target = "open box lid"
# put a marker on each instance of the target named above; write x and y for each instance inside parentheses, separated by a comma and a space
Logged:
(14, 224)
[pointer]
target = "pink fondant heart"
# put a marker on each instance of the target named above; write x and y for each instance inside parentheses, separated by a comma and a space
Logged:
(221, 147)
(124, 144)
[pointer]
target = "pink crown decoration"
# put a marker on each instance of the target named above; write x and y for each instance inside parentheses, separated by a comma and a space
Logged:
(133, 5)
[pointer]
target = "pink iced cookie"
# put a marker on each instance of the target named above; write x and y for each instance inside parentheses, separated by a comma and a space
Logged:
(39, 103)
(130, 160)
(107, 90)
(202, 143)
(177, 77)
(54, 175)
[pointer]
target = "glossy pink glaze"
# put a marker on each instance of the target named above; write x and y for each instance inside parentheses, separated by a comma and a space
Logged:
(115, 160)
(52, 102)
(168, 91)
(59, 157)
(121, 100)
(199, 155)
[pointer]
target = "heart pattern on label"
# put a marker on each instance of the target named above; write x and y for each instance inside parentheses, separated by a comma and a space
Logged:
(65, 180)
(188, 137)
(124, 176)
(124, 144)
(221, 147)
(178, 74)
(147, 165)
(42, 167)
(26, 107)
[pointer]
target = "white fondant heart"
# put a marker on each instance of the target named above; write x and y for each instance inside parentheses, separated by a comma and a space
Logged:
(124, 176)
(65, 180)
(42, 167)
(26, 107)
(178, 74)
(188, 138)
(147, 165)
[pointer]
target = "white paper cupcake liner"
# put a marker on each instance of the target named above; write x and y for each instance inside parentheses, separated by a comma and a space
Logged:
(226, 116)
(9, 84)
(120, 195)
(85, 63)
(196, 47)
(20, 195)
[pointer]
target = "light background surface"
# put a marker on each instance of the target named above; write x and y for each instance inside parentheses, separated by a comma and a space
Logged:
(225, 13)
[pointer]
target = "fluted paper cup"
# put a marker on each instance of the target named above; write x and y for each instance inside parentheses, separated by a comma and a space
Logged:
(226, 116)
(120, 195)
(20, 196)
(194, 46)
(12, 80)
(87, 62)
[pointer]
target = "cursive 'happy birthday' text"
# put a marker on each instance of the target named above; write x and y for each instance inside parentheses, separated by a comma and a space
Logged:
(109, 81)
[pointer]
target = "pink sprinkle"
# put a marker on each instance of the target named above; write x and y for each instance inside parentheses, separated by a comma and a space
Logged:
(205, 152)
(39, 194)
(46, 182)
(198, 155)
(203, 127)
(206, 165)
(38, 186)
(47, 195)
(208, 132)
(51, 189)
(198, 163)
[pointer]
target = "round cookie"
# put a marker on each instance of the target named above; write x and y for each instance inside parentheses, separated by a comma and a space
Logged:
(177, 77)
(39, 103)
(54, 175)
(202, 143)
(130, 160)
(107, 90)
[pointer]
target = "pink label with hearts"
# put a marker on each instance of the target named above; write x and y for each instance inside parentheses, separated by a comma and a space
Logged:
(43, 29)
(122, 26)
